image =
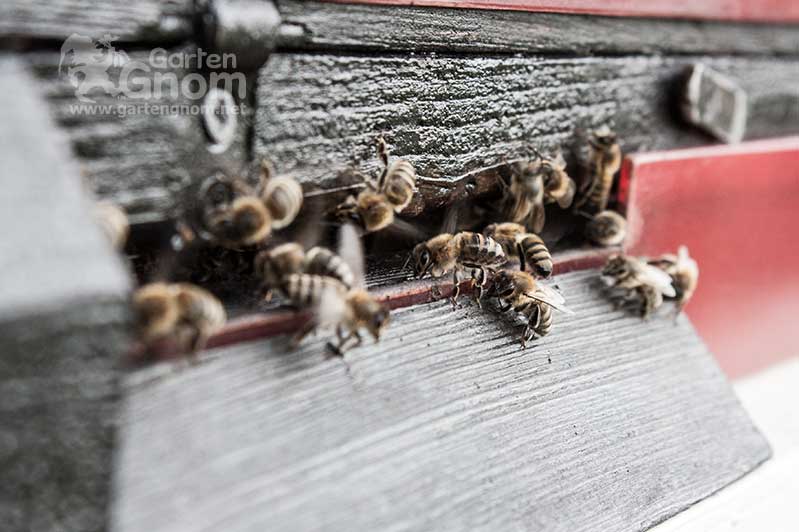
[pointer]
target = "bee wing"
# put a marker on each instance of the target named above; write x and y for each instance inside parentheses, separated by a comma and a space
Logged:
(351, 252)
(551, 297)
(332, 305)
(658, 278)
(450, 222)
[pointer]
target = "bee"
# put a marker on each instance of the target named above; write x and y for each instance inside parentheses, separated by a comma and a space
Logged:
(604, 162)
(181, 310)
(518, 290)
(273, 266)
(232, 214)
(528, 247)
(114, 223)
(684, 273)
(608, 228)
(535, 182)
(633, 281)
(334, 304)
(375, 207)
(456, 252)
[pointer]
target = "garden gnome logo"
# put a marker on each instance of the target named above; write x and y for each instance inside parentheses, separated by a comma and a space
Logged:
(86, 63)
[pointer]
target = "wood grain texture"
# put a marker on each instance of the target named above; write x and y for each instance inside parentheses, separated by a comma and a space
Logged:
(158, 21)
(63, 324)
(143, 160)
(318, 115)
(326, 26)
(446, 424)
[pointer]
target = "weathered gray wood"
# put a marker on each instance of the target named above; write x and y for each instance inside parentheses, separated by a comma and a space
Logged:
(63, 316)
(157, 21)
(142, 160)
(446, 424)
(326, 26)
(317, 115)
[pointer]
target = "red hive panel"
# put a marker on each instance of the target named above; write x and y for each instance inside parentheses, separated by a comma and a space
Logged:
(737, 209)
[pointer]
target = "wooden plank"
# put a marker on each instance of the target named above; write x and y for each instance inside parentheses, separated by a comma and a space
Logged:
(672, 193)
(318, 114)
(326, 26)
(749, 10)
(63, 318)
(445, 424)
(157, 21)
(766, 499)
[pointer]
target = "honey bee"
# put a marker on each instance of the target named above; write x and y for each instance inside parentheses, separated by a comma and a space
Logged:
(604, 162)
(456, 252)
(273, 266)
(535, 182)
(374, 208)
(608, 228)
(684, 273)
(181, 310)
(232, 214)
(518, 290)
(334, 304)
(633, 281)
(528, 247)
(114, 223)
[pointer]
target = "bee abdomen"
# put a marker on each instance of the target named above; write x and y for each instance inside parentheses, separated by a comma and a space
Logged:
(283, 197)
(481, 250)
(304, 289)
(536, 254)
(322, 261)
(400, 184)
(607, 228)
(544, 320)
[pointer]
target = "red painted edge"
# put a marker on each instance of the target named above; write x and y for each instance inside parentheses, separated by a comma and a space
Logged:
(733, 10)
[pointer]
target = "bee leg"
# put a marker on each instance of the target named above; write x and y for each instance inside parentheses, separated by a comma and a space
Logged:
(505, 307)
(456, 287)
(478, 285)
(309, 326)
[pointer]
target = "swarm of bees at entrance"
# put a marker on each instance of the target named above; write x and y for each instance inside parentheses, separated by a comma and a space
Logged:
(329, 285)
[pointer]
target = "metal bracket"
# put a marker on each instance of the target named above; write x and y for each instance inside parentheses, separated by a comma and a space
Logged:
(715, 103)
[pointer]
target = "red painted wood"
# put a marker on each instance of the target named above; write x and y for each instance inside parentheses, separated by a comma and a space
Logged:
(737, 210)
(740, 10)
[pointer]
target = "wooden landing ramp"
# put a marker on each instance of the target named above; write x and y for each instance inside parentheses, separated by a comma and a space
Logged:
(445, 425)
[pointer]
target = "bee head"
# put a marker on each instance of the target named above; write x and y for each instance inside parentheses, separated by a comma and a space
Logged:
(246, 222)
(603, 138)
(615, 266)
(155, 310)
(502, 285)
(378, 321)
(422, 260)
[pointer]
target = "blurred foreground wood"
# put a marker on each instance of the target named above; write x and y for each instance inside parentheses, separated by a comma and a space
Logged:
(446, 424)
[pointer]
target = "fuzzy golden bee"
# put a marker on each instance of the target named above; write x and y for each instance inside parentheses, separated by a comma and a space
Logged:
(183, 311)
(233, 214)
(536, 182)
(684, 273)
(529, 248)
(375, 207)
(114, 223)
(631, 281)
(457, 252)
(604, 162)
(273, 266)
(608, 228)
(518, 290)
(334, 304)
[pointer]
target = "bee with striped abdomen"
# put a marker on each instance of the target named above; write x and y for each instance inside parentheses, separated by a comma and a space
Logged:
(273, 266)
(375, 207)
(608, 228)
(604, 162)
(631, 281)
(528, 247)
(456, 252)
(533, 183)
(334, 304)
(684, 273)
(184, 311)
(518, 290)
